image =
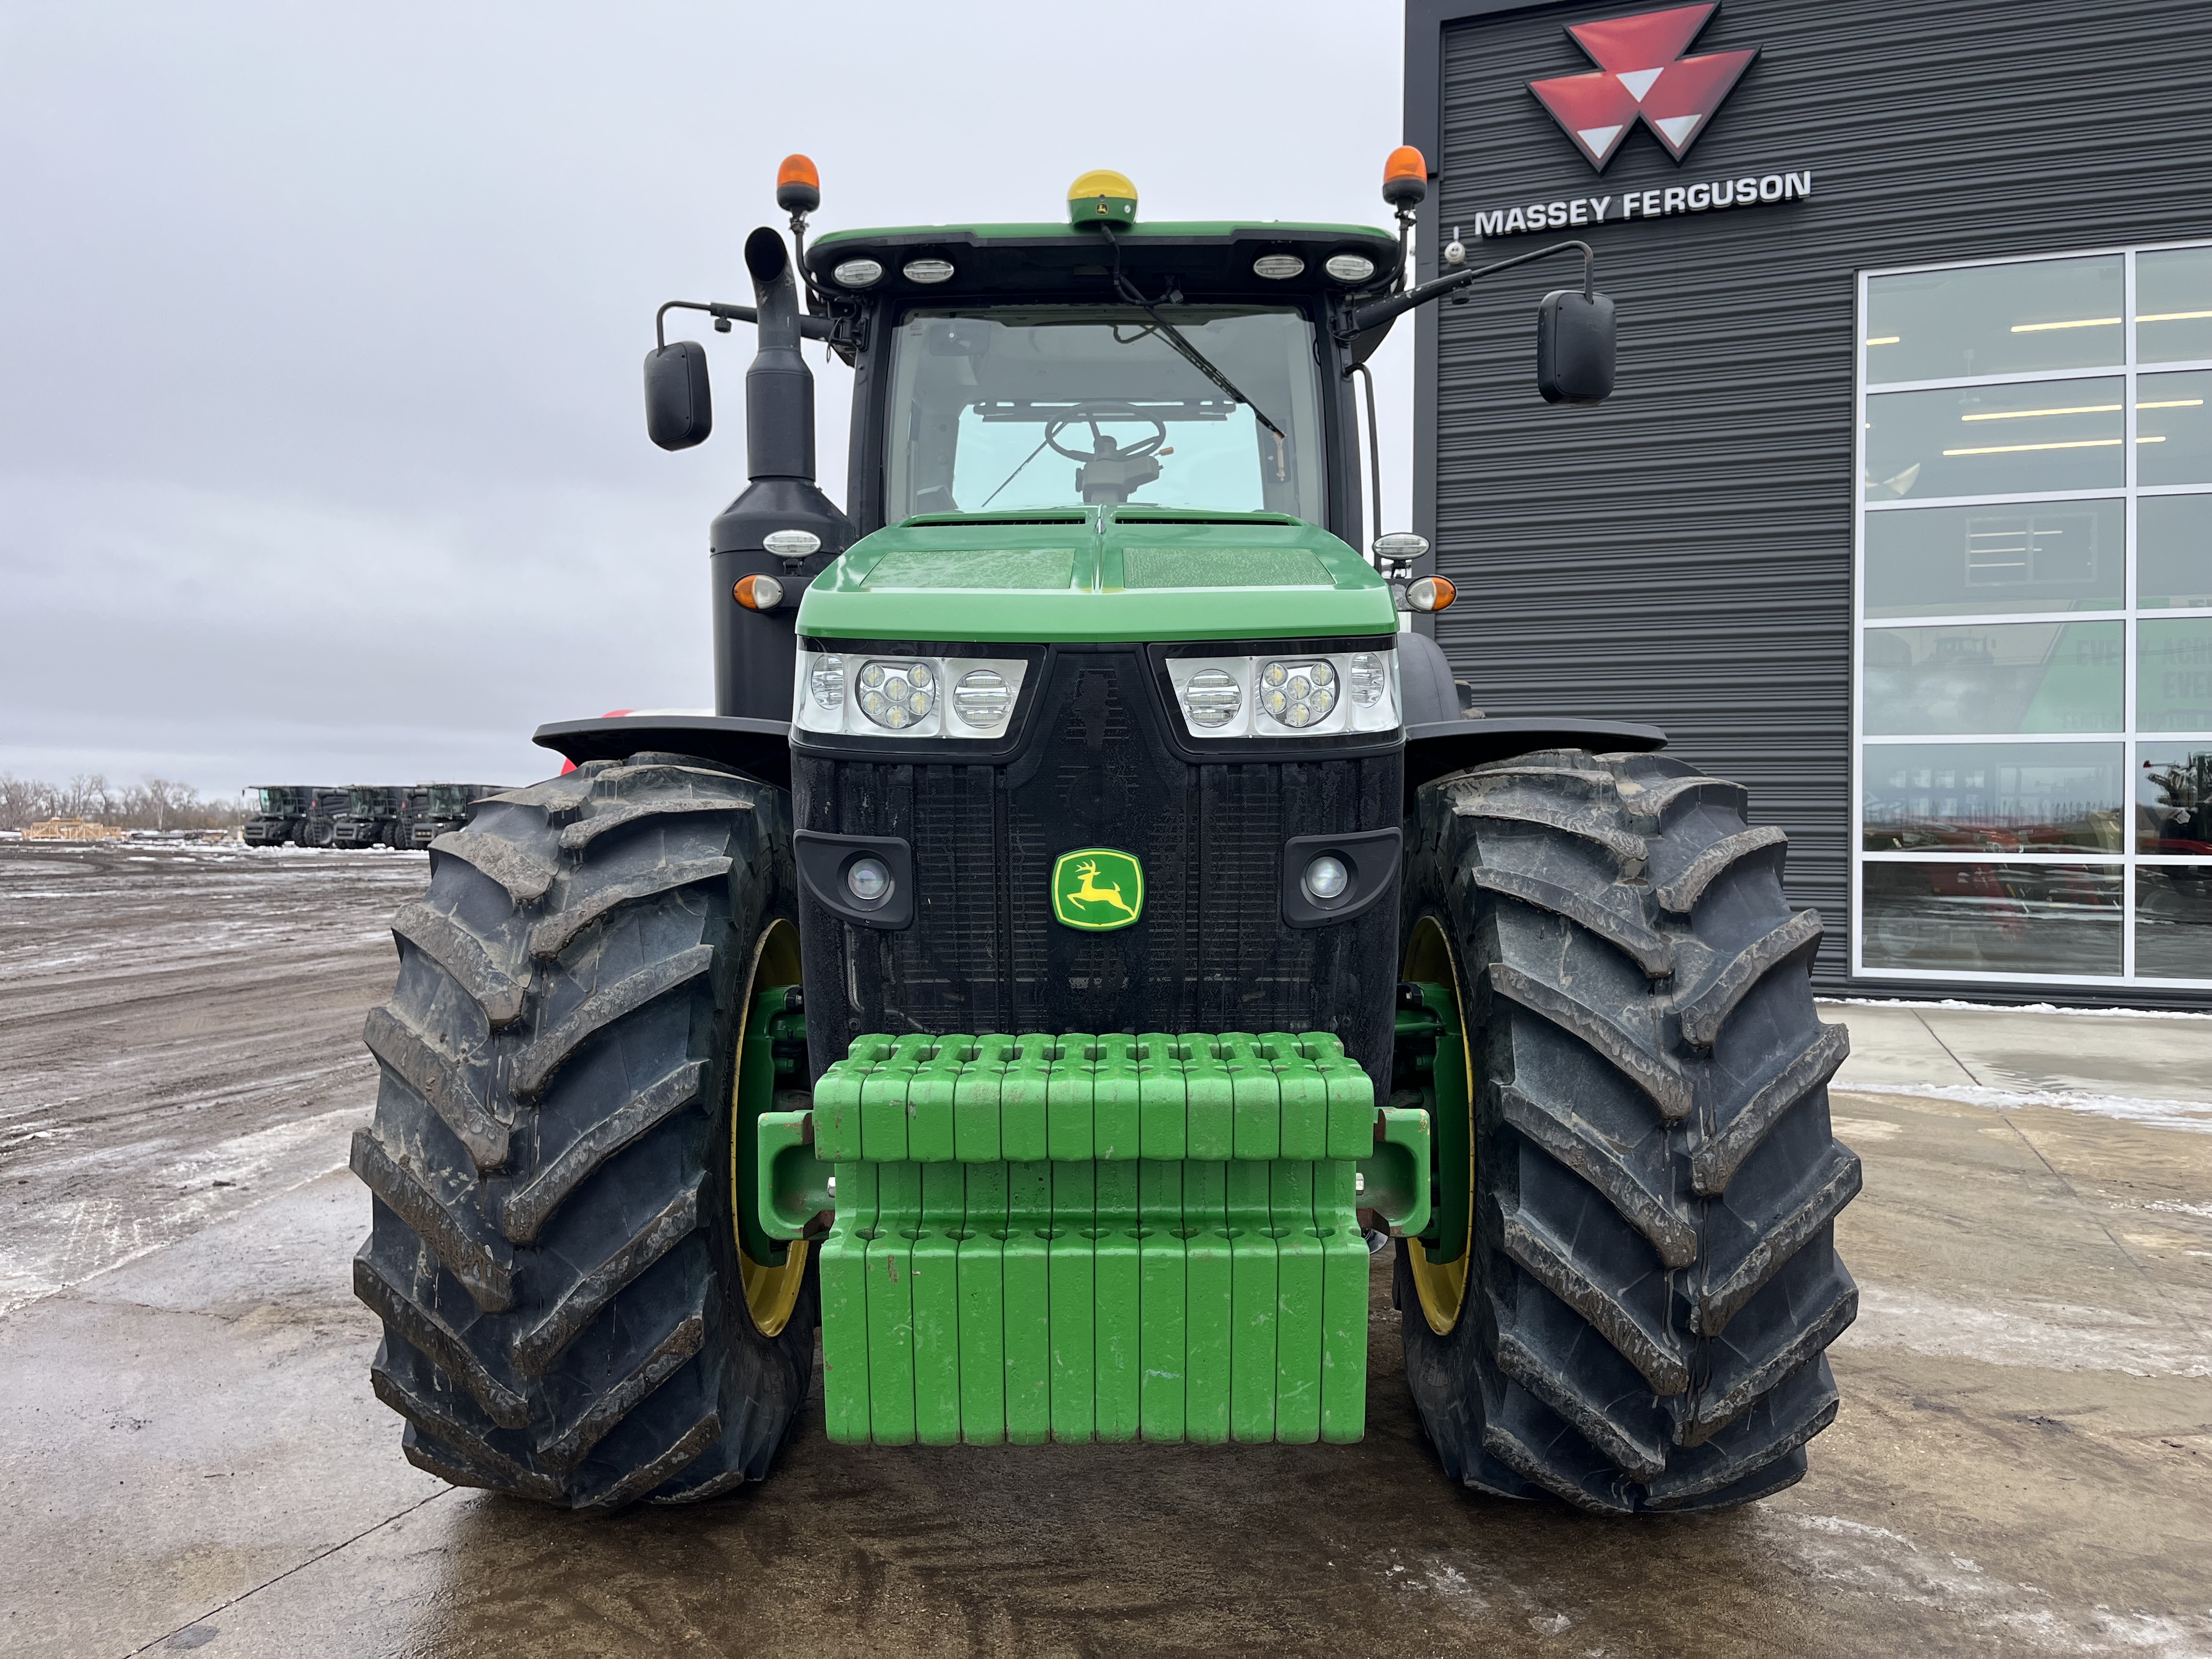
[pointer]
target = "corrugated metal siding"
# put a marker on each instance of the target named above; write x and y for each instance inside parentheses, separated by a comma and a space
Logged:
(1683, 555)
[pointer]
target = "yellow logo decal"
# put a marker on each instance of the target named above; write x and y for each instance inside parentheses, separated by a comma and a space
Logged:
(1098, 889)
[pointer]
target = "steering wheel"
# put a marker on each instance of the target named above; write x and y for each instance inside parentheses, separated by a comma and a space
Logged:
(1143, 445)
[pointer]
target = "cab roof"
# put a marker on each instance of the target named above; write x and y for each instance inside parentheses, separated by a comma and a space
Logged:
(1206, 260)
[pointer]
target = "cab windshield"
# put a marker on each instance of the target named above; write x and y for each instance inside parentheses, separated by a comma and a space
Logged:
(1048, 406)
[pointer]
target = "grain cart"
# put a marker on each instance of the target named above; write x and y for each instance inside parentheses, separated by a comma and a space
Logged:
(1085, 909)
(371, 817)
(282, 813)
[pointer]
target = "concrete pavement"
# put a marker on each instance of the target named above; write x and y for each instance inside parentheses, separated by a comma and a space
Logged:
(190, 1459)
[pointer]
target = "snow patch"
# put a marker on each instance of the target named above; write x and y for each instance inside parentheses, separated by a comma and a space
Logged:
(2014, 1007)
(2193, 1115)
(2053, 1336)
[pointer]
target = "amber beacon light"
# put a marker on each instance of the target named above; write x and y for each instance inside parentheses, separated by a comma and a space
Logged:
(1405, 178)
(798, 185)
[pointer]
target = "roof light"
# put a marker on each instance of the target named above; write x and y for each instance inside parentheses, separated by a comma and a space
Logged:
(926, 270)
(1405, 178)
(1401, 547)
(1349, 267)
(798, 185)
(1278, 267)
(858, 273)
(1102, 194)
(1431, 594)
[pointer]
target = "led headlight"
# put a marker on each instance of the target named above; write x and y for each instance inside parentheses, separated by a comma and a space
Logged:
(1365, 678)
(896, 693)
(1211, 698)
(1309, 695)
(982, 699)
(1297, 693)
(911, 698)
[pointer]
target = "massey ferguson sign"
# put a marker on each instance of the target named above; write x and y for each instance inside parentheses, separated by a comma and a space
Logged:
(1641, 76)
(1644, 76)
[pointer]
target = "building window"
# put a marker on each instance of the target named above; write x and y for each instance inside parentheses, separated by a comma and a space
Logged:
(2032, 731)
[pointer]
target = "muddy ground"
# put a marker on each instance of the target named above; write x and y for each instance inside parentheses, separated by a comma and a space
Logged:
(190, 1459)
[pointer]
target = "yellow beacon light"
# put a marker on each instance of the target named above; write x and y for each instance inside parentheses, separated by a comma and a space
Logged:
(1102, 196)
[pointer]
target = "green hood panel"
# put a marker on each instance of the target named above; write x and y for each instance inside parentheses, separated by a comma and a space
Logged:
(1099, 574)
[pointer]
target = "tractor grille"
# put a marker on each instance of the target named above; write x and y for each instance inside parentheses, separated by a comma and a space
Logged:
(1210, 952)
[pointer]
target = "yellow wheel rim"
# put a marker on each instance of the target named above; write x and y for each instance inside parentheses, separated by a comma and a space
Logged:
(771, 1287)
(1441, 1285)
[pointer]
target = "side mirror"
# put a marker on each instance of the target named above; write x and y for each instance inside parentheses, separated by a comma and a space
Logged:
(679, 405)
(1575, 345)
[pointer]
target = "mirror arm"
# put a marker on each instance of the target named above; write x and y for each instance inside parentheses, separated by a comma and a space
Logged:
(812, 327)
(1384, 311)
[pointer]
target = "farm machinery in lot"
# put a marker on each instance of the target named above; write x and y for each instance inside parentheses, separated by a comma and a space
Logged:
(1087, 912)
(302, 814)
(434, 809)
(374, 816)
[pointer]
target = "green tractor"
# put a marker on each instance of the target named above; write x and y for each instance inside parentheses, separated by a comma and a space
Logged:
(1090, 921)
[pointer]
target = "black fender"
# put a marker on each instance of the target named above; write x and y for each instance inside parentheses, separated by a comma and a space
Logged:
(1443, 737)
(1437, 749)
(761, 748)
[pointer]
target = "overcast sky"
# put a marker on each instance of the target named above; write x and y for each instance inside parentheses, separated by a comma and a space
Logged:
(321, 450)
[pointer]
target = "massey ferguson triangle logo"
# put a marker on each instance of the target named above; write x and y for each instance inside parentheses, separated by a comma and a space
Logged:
(1641, 76)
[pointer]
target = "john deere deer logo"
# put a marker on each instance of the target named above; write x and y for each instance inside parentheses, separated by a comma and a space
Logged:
(1098, 889)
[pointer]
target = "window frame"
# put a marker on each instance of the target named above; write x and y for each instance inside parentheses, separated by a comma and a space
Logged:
(2129, 614)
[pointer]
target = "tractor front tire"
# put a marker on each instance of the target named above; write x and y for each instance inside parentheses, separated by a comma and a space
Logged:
(1638, 1316)
(555, 1251)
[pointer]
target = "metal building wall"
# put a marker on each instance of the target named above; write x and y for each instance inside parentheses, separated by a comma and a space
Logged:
(1682, 554)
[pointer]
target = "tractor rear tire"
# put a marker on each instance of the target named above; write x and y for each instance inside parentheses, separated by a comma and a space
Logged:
(1639, 1319)
(555, 1252)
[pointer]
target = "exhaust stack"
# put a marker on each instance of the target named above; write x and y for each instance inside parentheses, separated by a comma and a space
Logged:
(755, 651)
(779, 386)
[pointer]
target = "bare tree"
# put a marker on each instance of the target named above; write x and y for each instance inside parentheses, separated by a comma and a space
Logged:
(157, 803)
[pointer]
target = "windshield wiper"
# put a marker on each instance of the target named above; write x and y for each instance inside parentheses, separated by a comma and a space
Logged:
(1018, 471)
(1175, 337)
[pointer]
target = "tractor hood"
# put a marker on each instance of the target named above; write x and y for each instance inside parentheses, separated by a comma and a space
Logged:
(1097, 574)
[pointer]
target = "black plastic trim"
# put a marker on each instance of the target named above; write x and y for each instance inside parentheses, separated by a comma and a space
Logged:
(822, 860)
(1370, 858)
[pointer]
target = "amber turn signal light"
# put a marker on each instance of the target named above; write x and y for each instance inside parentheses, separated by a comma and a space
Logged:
(1429, 593)
(763, 593)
